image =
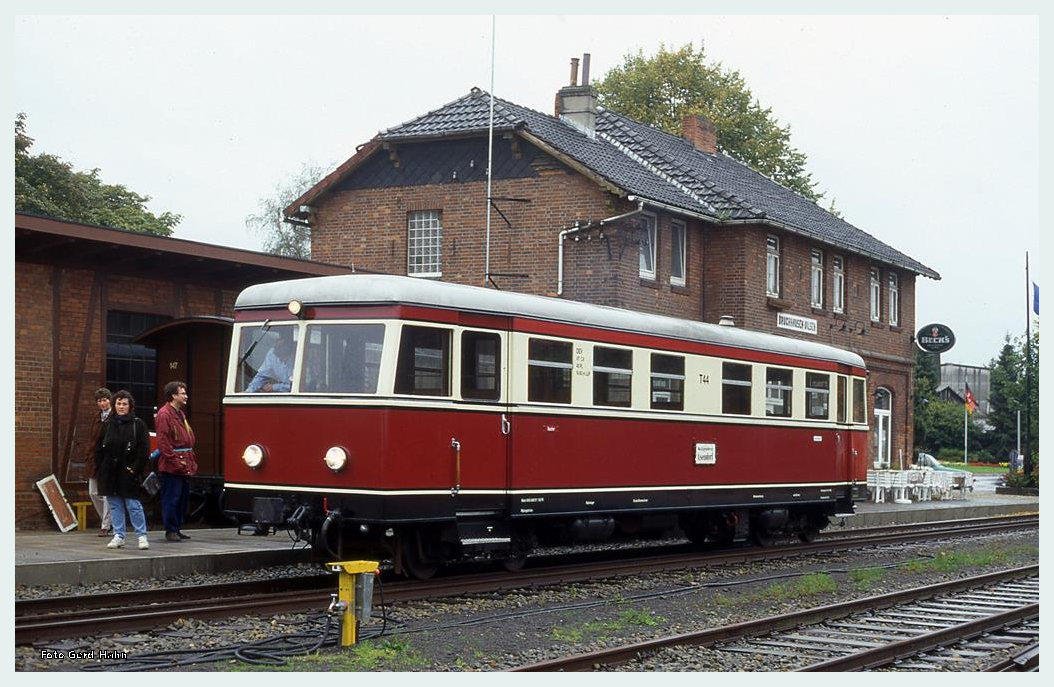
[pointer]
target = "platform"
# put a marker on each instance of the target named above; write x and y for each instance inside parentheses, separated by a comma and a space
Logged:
(43, 558)
(82, 557)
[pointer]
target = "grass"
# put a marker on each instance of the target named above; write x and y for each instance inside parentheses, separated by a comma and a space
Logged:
(952, 561)
(801, 587)
(863, 578)
(600, 629)
(977, 468)
(368, 655)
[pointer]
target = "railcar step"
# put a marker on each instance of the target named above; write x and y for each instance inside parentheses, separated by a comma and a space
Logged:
(486, 540)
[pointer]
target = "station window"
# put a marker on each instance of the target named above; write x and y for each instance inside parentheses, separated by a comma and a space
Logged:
(647, 247)
(549, 371)
(779, 386)
(894, 300)
(817, 395)
(837, 284)
(876, 296)
(772, 266)
(841, 415)
(816, 280)
(667, 382)
(859, 402)
(678, 251)
(424, 362)
(735, 389)
(480, 366)
(612, 376)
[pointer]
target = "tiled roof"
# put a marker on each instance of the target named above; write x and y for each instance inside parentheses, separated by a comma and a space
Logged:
(659, 167)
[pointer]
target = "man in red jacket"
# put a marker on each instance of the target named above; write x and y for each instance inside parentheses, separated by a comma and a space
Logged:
(176, 464)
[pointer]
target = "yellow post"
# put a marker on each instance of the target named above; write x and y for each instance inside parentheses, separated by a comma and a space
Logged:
(347, 572)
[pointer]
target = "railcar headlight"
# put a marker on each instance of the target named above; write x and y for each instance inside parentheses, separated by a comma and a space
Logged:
(335, 458)
(253, 455)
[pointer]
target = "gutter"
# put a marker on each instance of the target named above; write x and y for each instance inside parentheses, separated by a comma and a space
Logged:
(577, 227)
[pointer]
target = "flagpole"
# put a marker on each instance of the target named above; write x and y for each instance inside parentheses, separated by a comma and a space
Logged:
(966, 417)
(1027, 463)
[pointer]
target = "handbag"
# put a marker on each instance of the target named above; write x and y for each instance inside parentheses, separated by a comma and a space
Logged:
(151, 485)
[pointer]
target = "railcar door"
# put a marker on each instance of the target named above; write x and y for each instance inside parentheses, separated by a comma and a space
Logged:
(480, 442)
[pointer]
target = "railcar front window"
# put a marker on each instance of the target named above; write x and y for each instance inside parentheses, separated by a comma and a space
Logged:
(342, 358)
(612, 376)
(667, 382)
(817, 395)
(424, 362)
(735, 389)
(549, 371)
(778, 390)
(265, 358)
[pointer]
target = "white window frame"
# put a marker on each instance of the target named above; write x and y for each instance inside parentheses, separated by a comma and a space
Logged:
(838, 284)
(424, 239)
(647, 247)
(816, 278)
(894, 299)
(678, 259)
(772, 266)
(876, 295)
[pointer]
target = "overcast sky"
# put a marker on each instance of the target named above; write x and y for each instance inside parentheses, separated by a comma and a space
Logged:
(924, 131)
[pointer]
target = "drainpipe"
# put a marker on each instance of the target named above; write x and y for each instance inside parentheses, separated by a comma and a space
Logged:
(577, 227)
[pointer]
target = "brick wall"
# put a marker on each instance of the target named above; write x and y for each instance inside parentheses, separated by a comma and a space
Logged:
(56, 376)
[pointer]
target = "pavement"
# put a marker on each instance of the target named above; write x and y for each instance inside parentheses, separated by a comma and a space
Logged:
(43, 558)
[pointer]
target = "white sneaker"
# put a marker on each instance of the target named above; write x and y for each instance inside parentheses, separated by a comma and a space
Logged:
(143, 543)
(116, 543)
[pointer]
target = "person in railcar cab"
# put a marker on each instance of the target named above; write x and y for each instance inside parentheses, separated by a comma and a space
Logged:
(276, 373)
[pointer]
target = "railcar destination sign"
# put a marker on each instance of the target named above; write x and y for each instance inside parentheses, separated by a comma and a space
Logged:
(935, 338)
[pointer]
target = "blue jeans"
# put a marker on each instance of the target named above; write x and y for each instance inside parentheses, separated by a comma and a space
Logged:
(174, 492)
(118, 505)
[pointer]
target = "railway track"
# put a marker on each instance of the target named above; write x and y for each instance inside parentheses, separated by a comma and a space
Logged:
(933, 628)
(50, 619)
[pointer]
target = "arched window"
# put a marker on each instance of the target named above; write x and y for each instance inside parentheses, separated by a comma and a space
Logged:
(882, 438)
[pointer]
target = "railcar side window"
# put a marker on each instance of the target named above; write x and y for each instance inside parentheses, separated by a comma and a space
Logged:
(667, 382)
(480, 366)
(841, 398)
(549, 371)
(612, 376)
(342, 358)
(779, 386)
(817, 395)
(424, 362)
(859, 402)
(735, 389)
(265, 358)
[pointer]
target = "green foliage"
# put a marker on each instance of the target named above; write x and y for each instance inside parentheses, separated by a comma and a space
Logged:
(864, 578)
(281, 237)
(660, 90)
(47, 185)
(943, 428)
(927, 377)
(1007, 396)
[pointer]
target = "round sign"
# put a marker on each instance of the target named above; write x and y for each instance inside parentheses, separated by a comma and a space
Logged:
(935, 338)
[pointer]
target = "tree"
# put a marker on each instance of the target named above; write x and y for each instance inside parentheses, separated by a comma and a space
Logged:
(927, 377)
(281, 237)
(662, 89)
(1007, 396)
(47, 185)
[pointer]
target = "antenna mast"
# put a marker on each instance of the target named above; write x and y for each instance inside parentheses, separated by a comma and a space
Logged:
(490, 152)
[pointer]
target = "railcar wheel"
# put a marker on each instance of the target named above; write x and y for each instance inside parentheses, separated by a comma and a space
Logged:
(762, 537)
(514, 563)
(808, 534)
(413, 561)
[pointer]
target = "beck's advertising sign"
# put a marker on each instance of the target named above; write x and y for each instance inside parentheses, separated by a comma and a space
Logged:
(935, 338)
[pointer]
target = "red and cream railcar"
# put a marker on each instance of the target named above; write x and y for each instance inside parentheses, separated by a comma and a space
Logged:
(438, 420)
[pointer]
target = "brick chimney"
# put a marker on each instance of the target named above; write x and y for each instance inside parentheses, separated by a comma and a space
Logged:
(577, 105)
(700, 132)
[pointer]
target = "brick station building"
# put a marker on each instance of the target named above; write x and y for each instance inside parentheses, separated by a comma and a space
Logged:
(105, 307)
(590, 205)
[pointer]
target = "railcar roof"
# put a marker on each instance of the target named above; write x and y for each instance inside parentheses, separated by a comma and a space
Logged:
(372, 289)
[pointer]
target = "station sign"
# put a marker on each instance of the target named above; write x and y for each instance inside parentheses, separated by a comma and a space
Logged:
(935, 338)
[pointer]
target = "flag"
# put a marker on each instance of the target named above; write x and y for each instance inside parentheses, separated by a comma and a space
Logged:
(1035, 297)
(971, 404)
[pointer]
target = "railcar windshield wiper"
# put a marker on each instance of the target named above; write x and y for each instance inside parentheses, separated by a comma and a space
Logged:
(259, 337)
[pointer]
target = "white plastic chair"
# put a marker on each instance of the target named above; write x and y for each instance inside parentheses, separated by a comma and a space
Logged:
(872, 485)
(899, 486)
(942, 484)
(923, 487)
(883, 485)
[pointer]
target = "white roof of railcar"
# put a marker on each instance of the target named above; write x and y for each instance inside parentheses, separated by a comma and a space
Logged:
(369, 289)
